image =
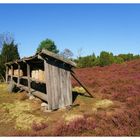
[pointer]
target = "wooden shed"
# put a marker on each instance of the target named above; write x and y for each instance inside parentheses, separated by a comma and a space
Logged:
(45, 75)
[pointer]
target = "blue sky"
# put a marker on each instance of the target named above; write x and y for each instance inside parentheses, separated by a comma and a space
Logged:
(92, 27)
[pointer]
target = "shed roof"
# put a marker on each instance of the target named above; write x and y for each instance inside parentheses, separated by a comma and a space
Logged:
(47, 54)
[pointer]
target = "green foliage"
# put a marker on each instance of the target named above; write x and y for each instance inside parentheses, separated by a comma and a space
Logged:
(86, 61)
(106, 58)
(49, 45)
(126, 57)
(9, 53)
(96, 61)
(118, 60)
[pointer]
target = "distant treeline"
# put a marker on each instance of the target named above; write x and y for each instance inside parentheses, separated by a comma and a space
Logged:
(104, 59)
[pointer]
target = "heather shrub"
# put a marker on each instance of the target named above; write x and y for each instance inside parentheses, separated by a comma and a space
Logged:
(39, 126)
(75, 127)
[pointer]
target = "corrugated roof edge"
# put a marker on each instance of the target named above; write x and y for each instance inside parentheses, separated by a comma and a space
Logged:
(46, 52)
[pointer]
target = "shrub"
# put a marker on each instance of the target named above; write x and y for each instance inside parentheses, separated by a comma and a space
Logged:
(39, 126)
(75, 127)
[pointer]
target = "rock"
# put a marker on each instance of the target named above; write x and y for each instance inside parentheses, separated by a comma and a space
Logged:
(31, 97)
(48, 111)
(44, 106)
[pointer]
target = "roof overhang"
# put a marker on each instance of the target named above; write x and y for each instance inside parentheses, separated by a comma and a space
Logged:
(46, 54)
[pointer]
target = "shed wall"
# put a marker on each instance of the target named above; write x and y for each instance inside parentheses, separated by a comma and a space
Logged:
(58, 86)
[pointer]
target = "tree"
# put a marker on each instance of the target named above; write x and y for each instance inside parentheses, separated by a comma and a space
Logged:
(106, 58)
(118, 60)
(5, 38)
(86, 61)
(9, 53)
(67, 53)
(49, 45)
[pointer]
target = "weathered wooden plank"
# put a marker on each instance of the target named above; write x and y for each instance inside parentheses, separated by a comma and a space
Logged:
(34, 92)
(40, 95)
(28, 75)
(69, 89)
(54, 87)
(47, 79)
(18, 74)
(65, 86)
(57, 86)
(62, 84)
(61, 100)
(12, 71)
(7, 74)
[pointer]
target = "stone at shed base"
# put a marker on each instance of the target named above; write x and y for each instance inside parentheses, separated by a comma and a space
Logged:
(48, 110)
(31, 97)
(44, 106)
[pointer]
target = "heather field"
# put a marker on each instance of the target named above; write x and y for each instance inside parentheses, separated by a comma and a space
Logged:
(114, 110)
(120, 83)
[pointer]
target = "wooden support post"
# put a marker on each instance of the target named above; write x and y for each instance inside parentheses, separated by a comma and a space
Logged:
(74, 76)
(18, 82)
(6, 74)
(29, 80)
(12, 72)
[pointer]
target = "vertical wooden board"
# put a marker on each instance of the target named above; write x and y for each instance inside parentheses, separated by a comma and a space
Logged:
(45, 76)
(28, 75)
(53, 86)
(60, 97)
(18, 74)
(69, 93)
(48, 84)
(6, 74)
(61, 83)
(68, 85)
(66, 95)
(64, 87)
(56, 86)
(70, 88)
(12, 71)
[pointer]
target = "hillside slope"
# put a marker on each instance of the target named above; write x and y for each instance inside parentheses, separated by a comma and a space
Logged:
(114, 110)
(118, 81)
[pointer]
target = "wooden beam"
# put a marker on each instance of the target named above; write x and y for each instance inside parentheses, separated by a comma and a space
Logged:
(76, 78)
(28, 75)
(12, 72)
(18, 74)
(34, 92)
(6, 74)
